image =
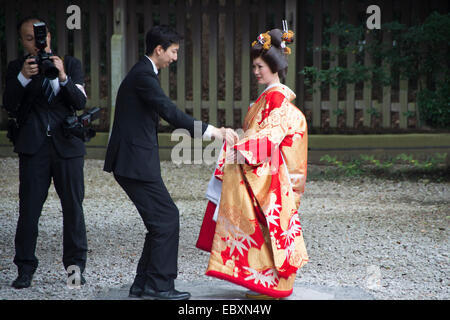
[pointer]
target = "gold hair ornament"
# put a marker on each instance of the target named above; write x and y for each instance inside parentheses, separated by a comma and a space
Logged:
(264, 39)
(287, 37)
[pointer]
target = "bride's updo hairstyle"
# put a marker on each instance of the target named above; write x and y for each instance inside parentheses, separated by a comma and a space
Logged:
(271, 47)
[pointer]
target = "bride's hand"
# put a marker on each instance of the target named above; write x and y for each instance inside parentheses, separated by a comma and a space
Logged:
(227, 134)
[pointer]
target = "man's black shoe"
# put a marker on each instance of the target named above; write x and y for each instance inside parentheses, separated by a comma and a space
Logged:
(150, 294)
(135, 291)
(22, 281)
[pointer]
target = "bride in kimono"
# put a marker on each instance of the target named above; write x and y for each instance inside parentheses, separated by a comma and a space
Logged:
(251, 226)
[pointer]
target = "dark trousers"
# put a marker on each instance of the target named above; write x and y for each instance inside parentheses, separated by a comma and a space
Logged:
(158, 263)
(35, 174)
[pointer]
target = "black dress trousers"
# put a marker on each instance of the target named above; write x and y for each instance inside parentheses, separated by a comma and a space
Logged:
(158, 263)
(35, 173)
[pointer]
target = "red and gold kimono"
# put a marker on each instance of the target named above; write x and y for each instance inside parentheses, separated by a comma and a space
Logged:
(257, 240)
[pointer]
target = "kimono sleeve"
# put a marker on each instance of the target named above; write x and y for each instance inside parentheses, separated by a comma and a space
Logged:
(258, 146)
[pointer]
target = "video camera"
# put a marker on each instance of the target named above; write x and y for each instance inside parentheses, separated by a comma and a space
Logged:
(46, 65)
(76, 125)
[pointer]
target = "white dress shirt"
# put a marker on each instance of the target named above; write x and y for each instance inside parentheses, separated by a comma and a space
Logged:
(55, 84)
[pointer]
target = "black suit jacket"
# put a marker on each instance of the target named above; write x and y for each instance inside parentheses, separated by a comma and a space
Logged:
(133, 146)
(35, 113)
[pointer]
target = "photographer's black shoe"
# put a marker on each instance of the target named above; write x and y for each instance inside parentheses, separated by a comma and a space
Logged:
(22, 281)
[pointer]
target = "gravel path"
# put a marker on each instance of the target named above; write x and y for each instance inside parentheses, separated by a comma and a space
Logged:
(357, 231)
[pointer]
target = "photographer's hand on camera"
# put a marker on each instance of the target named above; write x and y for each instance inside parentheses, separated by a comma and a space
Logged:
(29, 68)
(57, 61)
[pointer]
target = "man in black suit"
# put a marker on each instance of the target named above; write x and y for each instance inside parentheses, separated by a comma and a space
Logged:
(132, 156)
(40, 105)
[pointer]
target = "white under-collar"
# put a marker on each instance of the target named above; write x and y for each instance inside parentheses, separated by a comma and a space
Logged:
(278, 84)
(289, 94)
(153, 64)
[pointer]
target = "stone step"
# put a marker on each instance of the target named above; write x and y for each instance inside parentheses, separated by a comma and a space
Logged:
(221, 290)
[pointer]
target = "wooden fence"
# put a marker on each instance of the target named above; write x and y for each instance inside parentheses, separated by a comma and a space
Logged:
(212, 79)
(363, 104)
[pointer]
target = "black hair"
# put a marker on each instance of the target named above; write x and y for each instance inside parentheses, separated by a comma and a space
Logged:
(28, 19)
(160, 35)
(275, 56)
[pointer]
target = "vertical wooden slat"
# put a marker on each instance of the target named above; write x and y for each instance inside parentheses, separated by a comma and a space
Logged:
(164, 73)
(424, 11)
(291, 17)
(417, 17)
(368, 85)
(350, 88)
(196, 59)
(43, 13)
(262, 27)
(132, 34)
(78, 39)
(442, 8)
(61, 29)
(229, 62)
(181, 64)
(212, 63)
(387, 42)
(95, 53)
(317, 61)
(270, 15)
(279, 15)
(164, 19)
(334, 61)
(148, 16)
(27, 8)
(245, 59)
(109, 11)
(118, 52)
(300, 38)
(2, 111)
(403, 87)
(10, 31)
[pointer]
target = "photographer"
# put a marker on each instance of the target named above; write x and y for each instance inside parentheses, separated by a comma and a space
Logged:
(40, 104)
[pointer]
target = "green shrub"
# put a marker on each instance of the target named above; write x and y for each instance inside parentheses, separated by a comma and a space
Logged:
(367, 165)
(434, 106)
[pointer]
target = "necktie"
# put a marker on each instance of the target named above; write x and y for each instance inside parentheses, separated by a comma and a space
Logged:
(48, 90)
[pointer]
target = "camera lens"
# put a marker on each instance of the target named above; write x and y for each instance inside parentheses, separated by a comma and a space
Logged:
(49, 69)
